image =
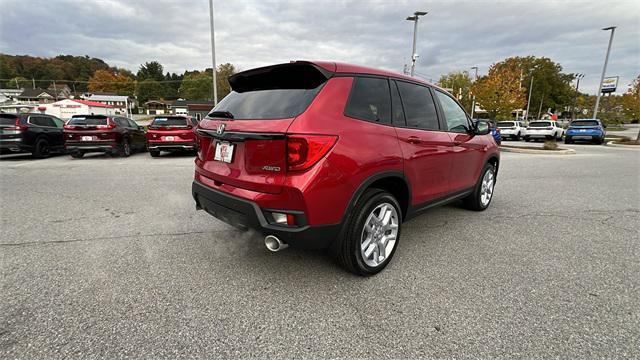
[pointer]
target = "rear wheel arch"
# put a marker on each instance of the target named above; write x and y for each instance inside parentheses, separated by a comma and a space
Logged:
(394, 182)
(495, 161)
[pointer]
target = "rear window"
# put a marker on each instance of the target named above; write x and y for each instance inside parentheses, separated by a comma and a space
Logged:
(585, 123)
(502, 124)
(370, 100)
(540, 124)
(273, 92)
(169, 121)
(267, 104)
(8, 119)
(88, 120)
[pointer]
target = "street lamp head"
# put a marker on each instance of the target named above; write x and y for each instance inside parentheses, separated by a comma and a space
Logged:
(610, 28)
(474, 67)
(420, 13)
(412, 18)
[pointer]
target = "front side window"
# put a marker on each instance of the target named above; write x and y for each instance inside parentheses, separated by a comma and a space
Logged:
(419, 108)
(455, 117)
(370, 100)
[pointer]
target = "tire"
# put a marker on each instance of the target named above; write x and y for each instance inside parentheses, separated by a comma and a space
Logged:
(527, 139)
(477, 199)
(41, 150)
(77, 154)
(154, 153)
(349, 252)
(567, 140)
(125, 151)
(517, 137)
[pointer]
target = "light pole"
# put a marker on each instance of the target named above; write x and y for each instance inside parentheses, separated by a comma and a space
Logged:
(213, 55)
(604, 70)
(529, 99)
(414, 18)
(473, 102)
(575, 96)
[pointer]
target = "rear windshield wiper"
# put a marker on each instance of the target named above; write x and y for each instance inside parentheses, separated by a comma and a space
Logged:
(221, 114)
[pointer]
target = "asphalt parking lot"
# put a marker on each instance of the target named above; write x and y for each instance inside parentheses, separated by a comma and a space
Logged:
(107, 257)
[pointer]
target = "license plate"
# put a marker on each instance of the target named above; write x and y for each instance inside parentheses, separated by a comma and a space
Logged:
(583, 130)
(87, 138)
(169, 138)
(582, 137)
(224, 152)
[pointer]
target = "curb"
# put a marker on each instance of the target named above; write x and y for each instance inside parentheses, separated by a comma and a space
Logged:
(610, 143)
(522, 150)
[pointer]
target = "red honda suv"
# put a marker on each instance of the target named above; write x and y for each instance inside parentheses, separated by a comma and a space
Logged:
(338, 156)
(171, 133)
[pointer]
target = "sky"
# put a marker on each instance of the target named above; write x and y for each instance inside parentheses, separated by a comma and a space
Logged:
(453, 36)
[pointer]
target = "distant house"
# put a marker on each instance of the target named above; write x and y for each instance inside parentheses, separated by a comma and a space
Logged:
(197, 109)
(158, 107)
(11, 94)
(119, 102)
(66, 108)
(62, 90)
(39, 96)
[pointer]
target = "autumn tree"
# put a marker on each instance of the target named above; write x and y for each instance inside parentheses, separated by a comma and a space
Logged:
(109, 81)
(459, 82)
(499, 92)
(631, 100)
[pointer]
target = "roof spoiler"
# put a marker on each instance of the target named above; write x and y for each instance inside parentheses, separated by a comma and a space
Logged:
(294, 75)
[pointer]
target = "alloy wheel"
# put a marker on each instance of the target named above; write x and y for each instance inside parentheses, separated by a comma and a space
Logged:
(486, 192)
(379, 234)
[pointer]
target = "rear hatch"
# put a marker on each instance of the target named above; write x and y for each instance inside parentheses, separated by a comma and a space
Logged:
(584, 125)
(85, 128)
(10, 127)
(243, 140)
(171, 129)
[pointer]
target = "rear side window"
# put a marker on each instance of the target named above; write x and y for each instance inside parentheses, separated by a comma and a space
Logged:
(455, 117)
(8, 119)
(370, 100)
(419, 108)
(122, 122)
(88, 120)
(397, 113)
(41, 121)
(169, 121)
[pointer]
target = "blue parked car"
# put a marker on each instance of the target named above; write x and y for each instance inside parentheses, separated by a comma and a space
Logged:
(585, 129)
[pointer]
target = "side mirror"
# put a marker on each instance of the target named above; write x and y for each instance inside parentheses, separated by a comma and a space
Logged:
(604, 126)
(481, 128)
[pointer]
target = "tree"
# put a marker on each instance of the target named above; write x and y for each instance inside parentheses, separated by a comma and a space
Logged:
(222, 79)
(499, 92)
(631, 101)
(19, 82)
(150, 89)
(197, 85)
(460, 84)
(151, 70)
(108, 81)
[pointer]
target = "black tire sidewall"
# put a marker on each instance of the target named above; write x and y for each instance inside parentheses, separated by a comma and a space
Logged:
(40, 145)
(357, 225)
(476, 203)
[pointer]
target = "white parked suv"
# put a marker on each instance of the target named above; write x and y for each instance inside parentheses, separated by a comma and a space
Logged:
(511, 129)
(543, 129)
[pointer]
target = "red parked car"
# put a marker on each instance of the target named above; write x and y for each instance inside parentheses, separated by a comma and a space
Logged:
(330, 155)
(113, 135)
(171, 133)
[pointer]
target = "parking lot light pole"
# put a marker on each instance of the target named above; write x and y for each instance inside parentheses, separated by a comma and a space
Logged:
(604, 70)
(213, 55)
(529, 100)
(414, 56)
(575, 96)
(473, 102)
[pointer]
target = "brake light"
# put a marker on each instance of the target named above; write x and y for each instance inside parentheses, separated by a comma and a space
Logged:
(69, 127)
(304, 151)
(20, 127)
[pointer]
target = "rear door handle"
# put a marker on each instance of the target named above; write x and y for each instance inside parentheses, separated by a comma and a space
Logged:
(414, 139)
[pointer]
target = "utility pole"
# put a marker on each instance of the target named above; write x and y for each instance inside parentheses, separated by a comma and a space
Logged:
(540, 109)
(529, 100)
(55, 89)
(213, 55)
(473, 102)
(414, 56)
(33, 81)
(17, 87)
(604, 70)
(575, 96)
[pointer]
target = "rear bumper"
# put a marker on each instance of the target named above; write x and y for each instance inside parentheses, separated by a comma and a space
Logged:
(16, 145)
(171, 146)
(91, 146)
(246, 214)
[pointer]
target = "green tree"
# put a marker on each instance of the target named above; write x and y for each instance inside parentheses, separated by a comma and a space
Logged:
(149, 90)
(631, 101)
(151, 70)
(460, 84)
(196, 86)
(19, 82)
(222, 79)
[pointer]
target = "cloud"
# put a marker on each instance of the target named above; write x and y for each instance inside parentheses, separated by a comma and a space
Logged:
(454, 35)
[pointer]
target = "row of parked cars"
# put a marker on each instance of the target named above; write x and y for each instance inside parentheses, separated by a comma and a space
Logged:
(42, 134)
(592, 130)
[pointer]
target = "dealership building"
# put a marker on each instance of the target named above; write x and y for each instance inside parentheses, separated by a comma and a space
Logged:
(65, 109)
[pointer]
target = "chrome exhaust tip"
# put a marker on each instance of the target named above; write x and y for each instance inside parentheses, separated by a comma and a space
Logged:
(274, 244)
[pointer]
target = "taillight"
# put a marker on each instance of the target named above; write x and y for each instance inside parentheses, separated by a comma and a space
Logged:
(20, 127)
(69, 127)
(304, 151)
